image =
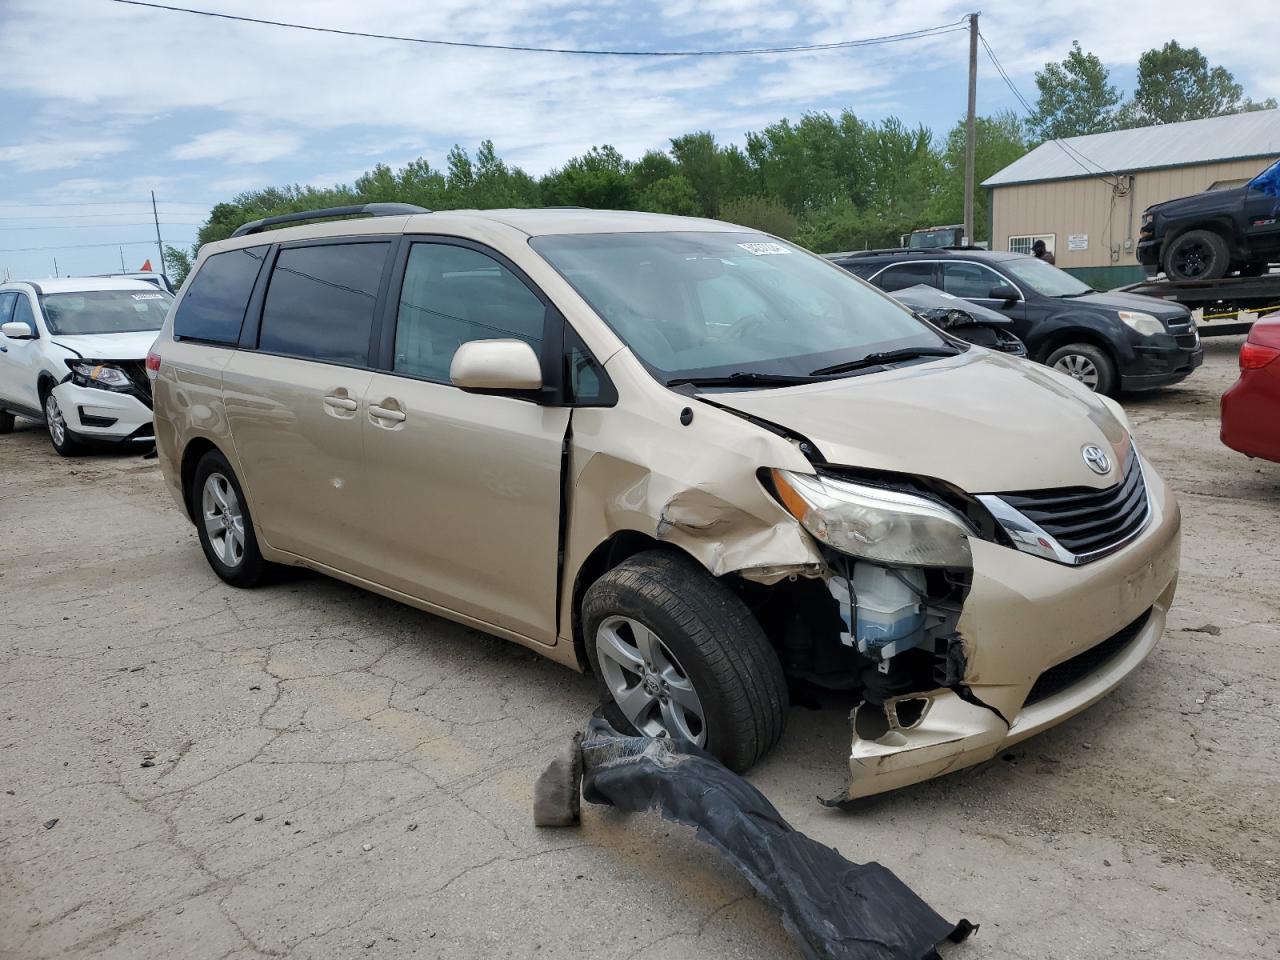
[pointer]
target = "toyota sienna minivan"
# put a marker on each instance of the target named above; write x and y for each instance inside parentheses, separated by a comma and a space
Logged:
(686, 456)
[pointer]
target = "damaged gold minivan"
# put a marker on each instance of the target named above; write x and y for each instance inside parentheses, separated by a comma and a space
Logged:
(686, 456)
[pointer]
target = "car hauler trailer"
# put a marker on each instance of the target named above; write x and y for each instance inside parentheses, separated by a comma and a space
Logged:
(1221, 301)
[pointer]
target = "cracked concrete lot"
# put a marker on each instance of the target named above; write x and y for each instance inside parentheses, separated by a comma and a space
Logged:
(312, 771)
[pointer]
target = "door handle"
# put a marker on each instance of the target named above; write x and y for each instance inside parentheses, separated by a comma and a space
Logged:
(386, 413)
(340, 403)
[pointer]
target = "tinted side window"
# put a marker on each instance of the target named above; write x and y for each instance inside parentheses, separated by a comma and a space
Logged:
(213, 308)
(587, 383)
(904, 275)
(970, 280)
(6, 306)
(320, 302)
(455, 294)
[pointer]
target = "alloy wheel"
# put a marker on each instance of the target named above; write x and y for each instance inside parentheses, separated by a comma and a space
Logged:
(648, 683)
(53, 417)
(1080, 368)
(223, 519)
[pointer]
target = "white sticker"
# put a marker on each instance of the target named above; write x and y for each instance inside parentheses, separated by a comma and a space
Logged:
(763, 249)
(148, 296)
(1078, 241)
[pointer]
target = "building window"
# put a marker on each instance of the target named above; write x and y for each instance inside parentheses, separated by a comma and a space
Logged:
(1024, 244)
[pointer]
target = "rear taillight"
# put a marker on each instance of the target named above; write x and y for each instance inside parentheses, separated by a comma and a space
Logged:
(1255, 356)
(153, 364)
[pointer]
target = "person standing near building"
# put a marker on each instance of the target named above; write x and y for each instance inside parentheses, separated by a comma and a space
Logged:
(1041, 252)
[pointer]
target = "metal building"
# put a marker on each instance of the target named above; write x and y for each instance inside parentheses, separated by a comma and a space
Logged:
(1084, 195)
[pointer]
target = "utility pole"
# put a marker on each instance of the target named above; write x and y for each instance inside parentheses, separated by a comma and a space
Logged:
(970, 134)
(160, 243)
(55, 267)
(123, 269)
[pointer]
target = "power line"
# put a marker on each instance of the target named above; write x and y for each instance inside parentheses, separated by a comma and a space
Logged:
(104, 226)
(744, 52)
(87, 216)
(79, 246)
(1079, 158)
(83, 203)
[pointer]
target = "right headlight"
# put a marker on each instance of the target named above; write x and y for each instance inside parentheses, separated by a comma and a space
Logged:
(1143, 323)
(874, 523)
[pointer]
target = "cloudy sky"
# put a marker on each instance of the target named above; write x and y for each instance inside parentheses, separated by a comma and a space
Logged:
(103, 103)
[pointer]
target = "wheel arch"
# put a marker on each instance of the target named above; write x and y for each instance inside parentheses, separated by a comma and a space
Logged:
(191, 456)
(620, 546)
(1074, 334)
(1219, 225)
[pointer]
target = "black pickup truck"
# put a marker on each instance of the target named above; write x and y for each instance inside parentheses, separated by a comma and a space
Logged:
(1211, 234)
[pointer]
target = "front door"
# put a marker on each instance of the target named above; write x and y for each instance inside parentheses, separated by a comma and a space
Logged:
(294, 403)
(464, 488)
(20, 360)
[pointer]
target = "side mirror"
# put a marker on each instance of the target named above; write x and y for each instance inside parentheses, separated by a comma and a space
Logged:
(496, 365)
(17, 330)
(1004, 291)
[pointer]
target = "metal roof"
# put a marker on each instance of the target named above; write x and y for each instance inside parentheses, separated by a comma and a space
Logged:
(1213, 140)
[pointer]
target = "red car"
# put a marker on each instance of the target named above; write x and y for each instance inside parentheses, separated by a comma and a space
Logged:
(1251, 408)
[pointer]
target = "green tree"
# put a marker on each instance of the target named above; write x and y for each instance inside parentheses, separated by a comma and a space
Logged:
(1176, 83)
(761, 213)
(673, 194)
(597, 179)
(998, 141)
(1076, 97)
(178, 263)
(698, 160)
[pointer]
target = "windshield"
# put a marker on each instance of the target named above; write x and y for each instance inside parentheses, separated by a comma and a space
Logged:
(104, 311)
(705, 305)
(1044, 278)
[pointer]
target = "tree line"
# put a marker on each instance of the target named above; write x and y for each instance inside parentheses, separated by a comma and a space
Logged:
(827, 182)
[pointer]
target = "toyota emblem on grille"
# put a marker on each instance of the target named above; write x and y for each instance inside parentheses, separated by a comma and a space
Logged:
(1097, 459)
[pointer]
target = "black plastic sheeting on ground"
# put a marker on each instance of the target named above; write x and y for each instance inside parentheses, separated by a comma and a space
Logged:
(835, 909)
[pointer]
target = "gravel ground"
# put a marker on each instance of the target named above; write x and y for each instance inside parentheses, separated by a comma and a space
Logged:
(187, 770)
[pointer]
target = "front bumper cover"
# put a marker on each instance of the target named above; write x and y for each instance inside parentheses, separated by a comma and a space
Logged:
(1024, 615)
(95, 414)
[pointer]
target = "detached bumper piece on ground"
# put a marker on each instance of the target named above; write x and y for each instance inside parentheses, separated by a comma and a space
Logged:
(834, 909)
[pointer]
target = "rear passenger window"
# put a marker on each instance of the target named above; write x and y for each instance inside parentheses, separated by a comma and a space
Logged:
(905, 275)
(452, 295)
(320, 302)
(213, 307)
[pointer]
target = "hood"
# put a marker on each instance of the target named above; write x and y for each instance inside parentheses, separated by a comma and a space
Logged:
(1114, 300)
(109, 346)
(984, 422)
(924, 298)
(1207, 202)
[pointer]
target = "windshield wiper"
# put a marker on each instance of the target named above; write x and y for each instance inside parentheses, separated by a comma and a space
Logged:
(887, 356)
(743, 378)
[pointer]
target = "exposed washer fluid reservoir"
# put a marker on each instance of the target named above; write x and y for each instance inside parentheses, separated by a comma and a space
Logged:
(885, 610)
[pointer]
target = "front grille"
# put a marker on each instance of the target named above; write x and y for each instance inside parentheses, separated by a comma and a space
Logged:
(1187, 340)
(1070, 672)
(1085, 521)
(136, 371)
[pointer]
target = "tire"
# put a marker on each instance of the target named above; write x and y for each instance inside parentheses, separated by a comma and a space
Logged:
(1086, 363)
(56, 426)
(6, 422)
(1197, 255)
(231, 546)
(701, 640)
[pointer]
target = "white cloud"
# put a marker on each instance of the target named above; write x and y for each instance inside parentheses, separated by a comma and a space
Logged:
(238, 146)
(41, 155)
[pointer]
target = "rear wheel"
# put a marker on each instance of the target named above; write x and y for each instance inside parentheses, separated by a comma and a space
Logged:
(1197, 255)
(676, 653)
(1086, 363)
(224, 525)
(56, 423)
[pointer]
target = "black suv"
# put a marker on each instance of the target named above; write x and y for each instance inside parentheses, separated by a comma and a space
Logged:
(1108, 341)
(1211, 234)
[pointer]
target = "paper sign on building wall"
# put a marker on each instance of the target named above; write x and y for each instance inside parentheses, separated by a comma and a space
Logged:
(1078, 241)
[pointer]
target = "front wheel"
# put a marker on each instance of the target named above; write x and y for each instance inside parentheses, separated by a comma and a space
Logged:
(63, 442)
(6, 422)
(1197, 255)
(676, 653)
(224, 525)
(1086, 363)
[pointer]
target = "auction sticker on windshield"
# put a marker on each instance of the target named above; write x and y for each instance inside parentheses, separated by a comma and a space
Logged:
(763, 249)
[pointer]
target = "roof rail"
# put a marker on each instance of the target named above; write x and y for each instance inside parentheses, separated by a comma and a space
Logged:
(367, 209)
